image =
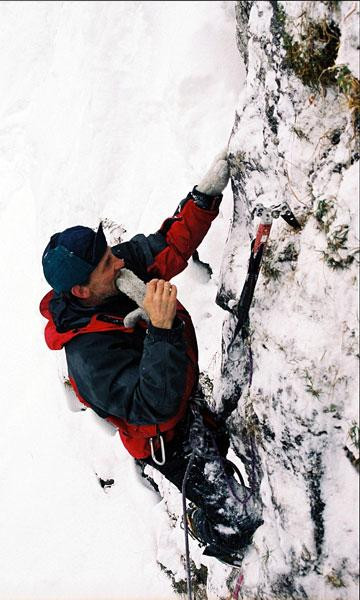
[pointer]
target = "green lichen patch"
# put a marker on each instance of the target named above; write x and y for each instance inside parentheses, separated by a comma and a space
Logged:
(350, 86)
(338, 237)
(337, 262)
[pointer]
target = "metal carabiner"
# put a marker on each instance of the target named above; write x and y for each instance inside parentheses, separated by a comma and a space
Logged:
(162, 448)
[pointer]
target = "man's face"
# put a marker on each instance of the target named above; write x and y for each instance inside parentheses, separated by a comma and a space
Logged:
(102, 280)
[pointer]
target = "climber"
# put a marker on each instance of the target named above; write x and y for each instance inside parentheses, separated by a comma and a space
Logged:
(132, 355)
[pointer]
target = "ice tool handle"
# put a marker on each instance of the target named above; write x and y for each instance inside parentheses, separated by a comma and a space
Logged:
(266, 215)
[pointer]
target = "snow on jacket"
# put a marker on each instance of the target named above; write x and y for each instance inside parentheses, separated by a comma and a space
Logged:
(139, 378)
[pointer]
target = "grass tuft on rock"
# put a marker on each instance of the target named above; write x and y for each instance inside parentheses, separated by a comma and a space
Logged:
(312, 57)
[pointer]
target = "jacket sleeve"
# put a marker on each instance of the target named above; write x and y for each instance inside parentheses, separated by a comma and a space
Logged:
(116, 379)
(165, 253)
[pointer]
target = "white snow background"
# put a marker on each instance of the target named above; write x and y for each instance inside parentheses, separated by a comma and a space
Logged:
(108, 110)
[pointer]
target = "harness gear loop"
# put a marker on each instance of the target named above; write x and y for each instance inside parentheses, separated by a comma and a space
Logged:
(162, 460)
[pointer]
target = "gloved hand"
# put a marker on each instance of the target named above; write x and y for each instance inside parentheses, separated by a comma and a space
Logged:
(128, 283)
(217, 177)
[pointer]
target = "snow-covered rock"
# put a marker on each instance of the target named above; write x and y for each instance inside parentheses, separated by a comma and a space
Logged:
(293, 384)
(296, 421)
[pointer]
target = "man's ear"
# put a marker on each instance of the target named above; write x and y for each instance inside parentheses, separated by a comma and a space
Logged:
(80, 291)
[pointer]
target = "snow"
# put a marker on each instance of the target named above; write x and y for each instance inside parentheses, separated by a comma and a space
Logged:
(108, 110)
(114, 111)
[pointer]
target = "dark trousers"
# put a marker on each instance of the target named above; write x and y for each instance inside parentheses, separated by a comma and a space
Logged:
(228, 514)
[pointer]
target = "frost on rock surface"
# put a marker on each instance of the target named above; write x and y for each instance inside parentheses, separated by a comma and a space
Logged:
(295, 139)
(296, 424)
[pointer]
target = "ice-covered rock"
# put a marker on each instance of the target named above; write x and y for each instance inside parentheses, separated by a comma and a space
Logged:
(296, 421)
(293, 383)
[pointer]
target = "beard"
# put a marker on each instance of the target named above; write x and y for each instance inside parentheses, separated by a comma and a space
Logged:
(101, 295)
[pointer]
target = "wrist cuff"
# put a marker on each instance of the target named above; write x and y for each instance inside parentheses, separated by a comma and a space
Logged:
(205, 201)
(166, 335)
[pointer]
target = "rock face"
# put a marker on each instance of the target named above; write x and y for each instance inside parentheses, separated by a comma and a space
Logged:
(295, 424)
(291, 387)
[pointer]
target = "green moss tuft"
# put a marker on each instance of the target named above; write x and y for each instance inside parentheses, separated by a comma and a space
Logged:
(310, 386)
(337, 262)
(315, 53)
(335, 580)
(289, 253)
(300, 134)
(354, 434)
(337, 254)
(325, 213)
(269, 268)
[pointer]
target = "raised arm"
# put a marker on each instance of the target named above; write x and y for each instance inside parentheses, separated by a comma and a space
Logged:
(165, 253)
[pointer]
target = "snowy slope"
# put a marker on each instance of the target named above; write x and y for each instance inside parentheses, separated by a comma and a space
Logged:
(108, 110)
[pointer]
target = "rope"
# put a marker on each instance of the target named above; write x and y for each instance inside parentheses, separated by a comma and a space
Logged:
(186, 530)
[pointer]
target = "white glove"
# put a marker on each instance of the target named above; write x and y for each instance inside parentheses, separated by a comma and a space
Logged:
(134, 288)
(217, 177)
(134, 316)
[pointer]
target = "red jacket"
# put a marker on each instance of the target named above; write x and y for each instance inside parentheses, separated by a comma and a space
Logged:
(140, 379)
